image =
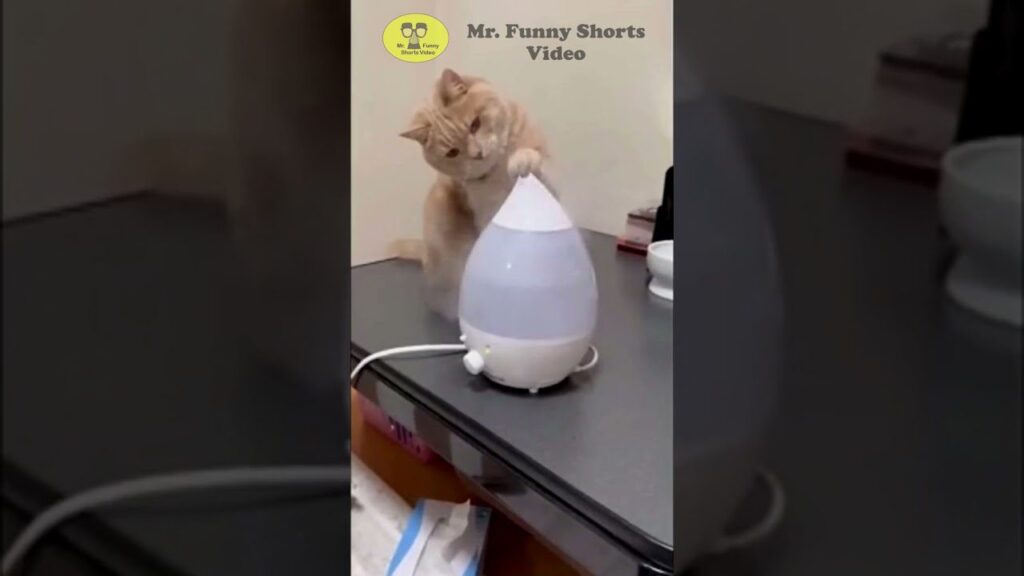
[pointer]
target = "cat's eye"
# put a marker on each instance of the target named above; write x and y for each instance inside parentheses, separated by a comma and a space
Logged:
(452, 153)
(475, 125)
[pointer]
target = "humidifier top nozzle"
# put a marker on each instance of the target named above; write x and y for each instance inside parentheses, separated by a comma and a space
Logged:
(531, 207)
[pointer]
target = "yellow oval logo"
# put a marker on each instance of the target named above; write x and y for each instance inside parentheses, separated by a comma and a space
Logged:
(415, 38)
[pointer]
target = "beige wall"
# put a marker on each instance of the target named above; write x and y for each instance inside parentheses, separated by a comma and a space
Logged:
(608, 117)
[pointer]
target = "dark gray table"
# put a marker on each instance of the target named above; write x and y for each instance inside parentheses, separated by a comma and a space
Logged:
(123, 356)
(598, 447)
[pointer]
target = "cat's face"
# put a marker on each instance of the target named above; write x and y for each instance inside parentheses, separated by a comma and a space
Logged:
(464, 130)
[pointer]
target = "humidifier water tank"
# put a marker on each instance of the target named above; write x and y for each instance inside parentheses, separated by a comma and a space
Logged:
(528, 301)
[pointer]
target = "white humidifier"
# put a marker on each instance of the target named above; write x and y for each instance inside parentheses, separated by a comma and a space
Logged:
(528, 301)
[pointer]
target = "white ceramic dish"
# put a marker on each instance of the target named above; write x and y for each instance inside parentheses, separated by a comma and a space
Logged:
(980, 201)
(659, 262)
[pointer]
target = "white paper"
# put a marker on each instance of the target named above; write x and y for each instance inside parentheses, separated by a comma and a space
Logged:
(442, 539)
(378, 518)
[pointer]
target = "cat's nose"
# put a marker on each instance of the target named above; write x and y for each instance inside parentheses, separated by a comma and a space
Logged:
(479, 154)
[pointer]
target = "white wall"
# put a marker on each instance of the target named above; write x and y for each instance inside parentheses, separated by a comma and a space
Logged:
(608, 118)
(814, 57)
(389, 177)
(89, 84)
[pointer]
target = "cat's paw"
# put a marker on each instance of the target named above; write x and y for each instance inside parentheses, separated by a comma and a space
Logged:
(523, 162)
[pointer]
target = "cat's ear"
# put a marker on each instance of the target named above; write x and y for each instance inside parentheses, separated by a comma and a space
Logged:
(417, 133)
(450, 87)
(418, 129)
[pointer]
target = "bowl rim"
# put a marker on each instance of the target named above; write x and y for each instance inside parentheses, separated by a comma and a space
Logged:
(954, 156)
(652, 249)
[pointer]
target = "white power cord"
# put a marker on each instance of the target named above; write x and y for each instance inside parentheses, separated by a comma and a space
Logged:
(402, 350)
(421, 348)
(764, 528)
(588, 365)
(280, 476)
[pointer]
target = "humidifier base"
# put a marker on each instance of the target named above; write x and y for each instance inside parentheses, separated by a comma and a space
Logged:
(524, 364)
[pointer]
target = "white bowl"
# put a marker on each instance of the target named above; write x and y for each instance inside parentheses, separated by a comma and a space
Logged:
(980, 202)
(659, 262)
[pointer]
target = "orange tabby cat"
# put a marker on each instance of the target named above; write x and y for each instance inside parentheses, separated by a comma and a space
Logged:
(479, 142)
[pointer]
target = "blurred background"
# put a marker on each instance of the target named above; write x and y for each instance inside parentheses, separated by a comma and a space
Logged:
(175, 249)
(90, 90)
(881, 144)
(819, 59)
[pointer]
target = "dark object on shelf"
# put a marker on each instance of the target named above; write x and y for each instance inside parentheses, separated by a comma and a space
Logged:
(645, 226)
(632, 247)
(991, 104)
(663, 220)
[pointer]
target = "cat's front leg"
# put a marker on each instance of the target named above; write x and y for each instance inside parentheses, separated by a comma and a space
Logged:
(524, 161)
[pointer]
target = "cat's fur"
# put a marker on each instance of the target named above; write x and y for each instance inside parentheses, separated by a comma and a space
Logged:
(480, 143)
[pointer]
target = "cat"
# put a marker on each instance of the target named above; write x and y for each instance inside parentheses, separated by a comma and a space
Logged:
(479, 142)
